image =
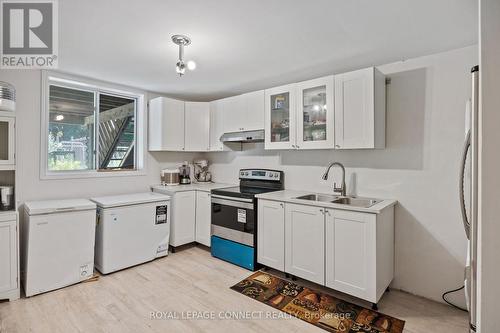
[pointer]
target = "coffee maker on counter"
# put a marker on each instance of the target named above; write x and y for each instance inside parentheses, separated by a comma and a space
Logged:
(185, 174)
(6, 197)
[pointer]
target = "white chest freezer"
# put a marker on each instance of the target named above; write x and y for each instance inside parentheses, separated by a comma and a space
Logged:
(131, 229)
(58, 239)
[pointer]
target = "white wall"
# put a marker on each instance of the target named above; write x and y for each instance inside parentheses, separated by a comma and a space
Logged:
(419, 167)
(489, 164)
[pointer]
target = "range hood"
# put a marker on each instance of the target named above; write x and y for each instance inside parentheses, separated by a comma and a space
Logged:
(245, 136)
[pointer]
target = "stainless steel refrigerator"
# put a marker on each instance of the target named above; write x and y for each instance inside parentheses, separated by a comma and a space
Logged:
(468, 196)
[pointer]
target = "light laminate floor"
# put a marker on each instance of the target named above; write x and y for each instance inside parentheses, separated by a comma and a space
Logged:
(189, 282)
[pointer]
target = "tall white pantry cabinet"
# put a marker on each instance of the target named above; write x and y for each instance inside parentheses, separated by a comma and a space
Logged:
(9, 225)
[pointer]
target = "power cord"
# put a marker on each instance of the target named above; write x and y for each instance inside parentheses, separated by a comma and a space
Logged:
(448, 302)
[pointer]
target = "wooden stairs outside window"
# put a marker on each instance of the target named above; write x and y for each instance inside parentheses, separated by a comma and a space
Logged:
(117, 138)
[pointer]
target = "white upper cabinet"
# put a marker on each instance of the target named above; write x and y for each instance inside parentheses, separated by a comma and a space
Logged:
(315, 112)
(253, 112)
(166, 124)
(216, 125)
(197, 122)
(280, 117)
(178, 126)
(345, 111)
(360, 109)
(301, 115)
(243, 112)
(233, 108)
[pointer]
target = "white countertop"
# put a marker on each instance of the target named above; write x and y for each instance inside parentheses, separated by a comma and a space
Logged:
(7, 215)
(289, 195)
(206, 187)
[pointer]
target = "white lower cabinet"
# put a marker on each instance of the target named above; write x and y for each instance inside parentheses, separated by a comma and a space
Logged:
(203, 220)
(349, 251)
(305, 242)
(8, 257)
(182, 228)
(190, 217)
(271, 234)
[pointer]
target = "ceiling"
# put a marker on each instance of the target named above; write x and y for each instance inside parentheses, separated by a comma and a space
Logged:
(247, 45)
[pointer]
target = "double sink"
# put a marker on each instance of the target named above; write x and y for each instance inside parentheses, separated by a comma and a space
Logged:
(350, 201)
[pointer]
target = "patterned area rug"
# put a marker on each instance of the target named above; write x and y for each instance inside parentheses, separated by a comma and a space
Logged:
(314, 307)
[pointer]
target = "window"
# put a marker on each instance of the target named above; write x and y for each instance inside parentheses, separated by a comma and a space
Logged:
(90, 129)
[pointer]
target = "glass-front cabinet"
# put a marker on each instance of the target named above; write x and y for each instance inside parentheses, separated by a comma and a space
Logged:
(7, 142)
(280, 118)
(300, 115)
(315, 114)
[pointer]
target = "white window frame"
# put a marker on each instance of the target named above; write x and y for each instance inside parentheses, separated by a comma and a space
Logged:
(73, 81)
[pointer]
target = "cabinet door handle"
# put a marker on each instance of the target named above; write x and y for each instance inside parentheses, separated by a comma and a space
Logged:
(281, 205)
(337, 146)
(328, 212)
(322, 211)
(297, 147)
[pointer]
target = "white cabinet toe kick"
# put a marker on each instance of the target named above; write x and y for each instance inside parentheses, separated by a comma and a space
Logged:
(348, 251)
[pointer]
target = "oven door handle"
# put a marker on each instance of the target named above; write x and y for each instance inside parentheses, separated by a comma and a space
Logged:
(232, 198)
(221, 200)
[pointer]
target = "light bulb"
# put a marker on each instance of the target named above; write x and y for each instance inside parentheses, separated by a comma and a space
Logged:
(59, 117)
(180, 68)
(191, 65)
(316, 107)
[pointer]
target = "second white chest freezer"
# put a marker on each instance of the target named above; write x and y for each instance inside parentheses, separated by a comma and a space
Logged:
(131, 229)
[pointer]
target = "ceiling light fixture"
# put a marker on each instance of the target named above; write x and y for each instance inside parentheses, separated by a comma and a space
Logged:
(181, 66)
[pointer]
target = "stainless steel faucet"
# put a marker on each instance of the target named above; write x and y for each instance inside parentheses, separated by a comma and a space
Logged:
(342, 188)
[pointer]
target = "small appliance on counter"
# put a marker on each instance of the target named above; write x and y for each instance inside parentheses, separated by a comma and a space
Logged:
(201, 173)
(170, 177)
(6, 197)
(185, 173)
(234, 216)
